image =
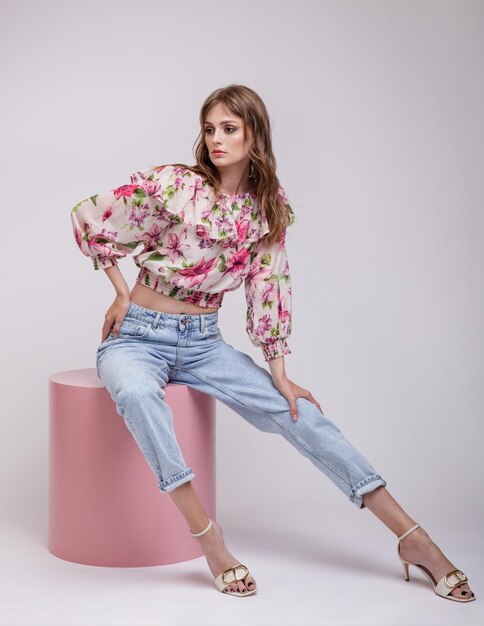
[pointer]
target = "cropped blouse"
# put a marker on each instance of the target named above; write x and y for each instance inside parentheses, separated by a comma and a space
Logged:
(195, 247)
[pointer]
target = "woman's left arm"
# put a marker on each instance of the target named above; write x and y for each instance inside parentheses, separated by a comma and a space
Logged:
(269, 312)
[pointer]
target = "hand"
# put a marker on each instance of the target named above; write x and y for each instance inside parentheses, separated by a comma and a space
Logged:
(291, 391)
(115, 315)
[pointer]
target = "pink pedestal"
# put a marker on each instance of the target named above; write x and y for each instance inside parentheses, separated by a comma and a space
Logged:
(105, 507)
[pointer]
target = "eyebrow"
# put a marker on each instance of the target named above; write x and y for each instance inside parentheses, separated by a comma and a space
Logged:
(222, 122)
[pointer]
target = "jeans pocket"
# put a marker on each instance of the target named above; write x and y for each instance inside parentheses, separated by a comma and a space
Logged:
(130, 329)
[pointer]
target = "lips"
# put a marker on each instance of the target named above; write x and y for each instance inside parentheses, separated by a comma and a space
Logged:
(218, 152)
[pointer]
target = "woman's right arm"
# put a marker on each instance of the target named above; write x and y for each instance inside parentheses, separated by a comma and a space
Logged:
(112, 224)
(117, 311)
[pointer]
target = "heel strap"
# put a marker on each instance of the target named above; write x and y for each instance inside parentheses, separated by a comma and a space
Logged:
(408, 532)
(202, 532)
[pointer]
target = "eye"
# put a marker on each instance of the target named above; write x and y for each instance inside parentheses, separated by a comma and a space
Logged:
(208, 129)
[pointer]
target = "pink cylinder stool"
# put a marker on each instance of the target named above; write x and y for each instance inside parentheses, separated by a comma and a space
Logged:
(105, 507)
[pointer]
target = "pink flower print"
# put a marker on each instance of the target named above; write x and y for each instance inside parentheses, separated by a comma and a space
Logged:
(139, 214)
(285, 272)
(176, 245)
(151, 187)
(107, 214)
(265, 326)
(125, 191)
(178, 182)
(193, 276)
(152, 237)
(224, 224)
(267, 297)
(236, 263)
(108, 235)
(258, 271)
(99, 241)
(198, 189)
(201, 231)
(203, 235)
(242, 228)
(206, 213)
(284, 315)
(77, 234)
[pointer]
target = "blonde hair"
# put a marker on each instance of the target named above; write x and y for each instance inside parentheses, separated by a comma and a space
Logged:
(247, 104)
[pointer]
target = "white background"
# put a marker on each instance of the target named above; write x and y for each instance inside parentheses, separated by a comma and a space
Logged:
(376, 110)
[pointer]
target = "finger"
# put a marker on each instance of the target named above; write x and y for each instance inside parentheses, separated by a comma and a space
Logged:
(314, 401)
(293, 409)
(104, 333)
(117, 326)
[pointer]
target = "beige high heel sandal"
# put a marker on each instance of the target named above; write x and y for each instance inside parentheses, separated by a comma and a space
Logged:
(231, 575)
(446, 584)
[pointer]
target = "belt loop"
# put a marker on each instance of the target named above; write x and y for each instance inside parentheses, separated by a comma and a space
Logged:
(154, 323)
(202, 323)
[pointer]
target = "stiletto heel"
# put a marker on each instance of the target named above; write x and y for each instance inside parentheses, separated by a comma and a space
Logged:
(446, 584)
(232, 574)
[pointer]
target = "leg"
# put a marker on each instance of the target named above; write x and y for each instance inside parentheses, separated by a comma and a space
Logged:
(235, 379)
(417, 547)
(212, 542)
(135, 380)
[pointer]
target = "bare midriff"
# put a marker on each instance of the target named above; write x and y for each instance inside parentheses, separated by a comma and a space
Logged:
(151, 299)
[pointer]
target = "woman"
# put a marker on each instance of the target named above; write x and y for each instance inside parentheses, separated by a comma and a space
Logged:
(206, 229)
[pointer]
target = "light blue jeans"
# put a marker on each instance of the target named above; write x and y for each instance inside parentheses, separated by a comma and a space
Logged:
(155, 348)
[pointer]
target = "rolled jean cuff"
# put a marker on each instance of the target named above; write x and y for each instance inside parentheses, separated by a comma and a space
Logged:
(175, 481)
(365, 486)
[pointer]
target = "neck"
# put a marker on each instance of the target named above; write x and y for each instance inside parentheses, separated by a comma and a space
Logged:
(234, 182)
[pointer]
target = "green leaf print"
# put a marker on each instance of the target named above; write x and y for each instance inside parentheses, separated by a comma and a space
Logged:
(156, 256)
(139, 192)
(74, 210)
(266, 259)
(132, 245)
(169, 191)
(271, 279)
(275, 331)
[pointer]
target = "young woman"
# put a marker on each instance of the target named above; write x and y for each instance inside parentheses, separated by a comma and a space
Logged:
(205, 230)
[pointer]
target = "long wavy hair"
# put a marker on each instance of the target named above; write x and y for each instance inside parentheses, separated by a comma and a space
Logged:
(246, 104)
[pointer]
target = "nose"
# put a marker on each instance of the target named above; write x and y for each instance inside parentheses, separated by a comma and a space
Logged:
(215, 138)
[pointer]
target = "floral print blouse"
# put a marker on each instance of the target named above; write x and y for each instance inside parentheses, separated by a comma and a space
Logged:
(195, 247)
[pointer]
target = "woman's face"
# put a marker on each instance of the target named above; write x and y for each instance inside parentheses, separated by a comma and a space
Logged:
(225, 131)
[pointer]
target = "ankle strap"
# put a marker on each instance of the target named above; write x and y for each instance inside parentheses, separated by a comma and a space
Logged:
(408, 532)
(202, 532)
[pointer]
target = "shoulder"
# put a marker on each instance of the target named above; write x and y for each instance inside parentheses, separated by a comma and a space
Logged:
(168, 177)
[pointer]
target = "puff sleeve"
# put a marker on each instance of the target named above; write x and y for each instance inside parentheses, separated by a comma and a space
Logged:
(109, 225)
(268, 294)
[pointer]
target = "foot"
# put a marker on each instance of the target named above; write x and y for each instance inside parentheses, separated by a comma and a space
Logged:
(219, 558)
(419, 549)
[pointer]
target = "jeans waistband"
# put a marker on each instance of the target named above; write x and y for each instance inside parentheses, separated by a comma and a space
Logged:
(175, 320)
